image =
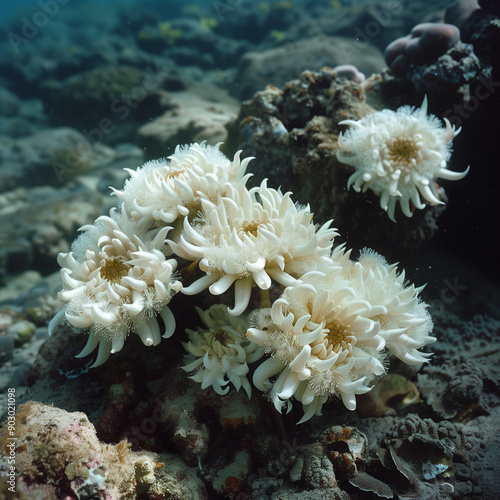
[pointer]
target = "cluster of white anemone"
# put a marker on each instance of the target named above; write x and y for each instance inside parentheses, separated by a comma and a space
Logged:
(325, 336)
(399, 155)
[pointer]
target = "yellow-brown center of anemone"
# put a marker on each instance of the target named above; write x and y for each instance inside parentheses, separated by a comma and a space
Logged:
(223, 337)
(114, 269)
(338, 334)
(250, 227)
(174, 172)
(402, 150)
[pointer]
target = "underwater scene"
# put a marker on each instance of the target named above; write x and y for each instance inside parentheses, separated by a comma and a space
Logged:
(249, 249)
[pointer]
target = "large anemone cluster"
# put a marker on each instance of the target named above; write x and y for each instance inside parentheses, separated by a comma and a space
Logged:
(189, 224)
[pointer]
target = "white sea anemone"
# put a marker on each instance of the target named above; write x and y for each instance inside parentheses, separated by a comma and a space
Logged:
(399, 155)
(250, 237)
(115, 283)
(321, 343)
(405, 323)
(162, 190)
(220, 349)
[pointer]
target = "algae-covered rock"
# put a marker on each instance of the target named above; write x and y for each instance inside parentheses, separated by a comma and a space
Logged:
(22, 331)
(48, 157)
(104, 103)
(59, 451)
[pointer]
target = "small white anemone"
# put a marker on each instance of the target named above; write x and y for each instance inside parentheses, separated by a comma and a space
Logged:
(321, 344)
(116, 283)
(220, 349)
(399, 155)
(251, 237)
(163, 190)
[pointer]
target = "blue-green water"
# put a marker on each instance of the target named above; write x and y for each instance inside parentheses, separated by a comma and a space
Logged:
(90, 91)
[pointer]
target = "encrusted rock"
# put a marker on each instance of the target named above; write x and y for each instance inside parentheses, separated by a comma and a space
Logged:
(61, 450)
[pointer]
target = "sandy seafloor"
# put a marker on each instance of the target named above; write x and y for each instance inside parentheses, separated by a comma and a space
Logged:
(86, 91)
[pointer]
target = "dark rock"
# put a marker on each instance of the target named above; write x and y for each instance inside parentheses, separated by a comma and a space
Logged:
(278, 65)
